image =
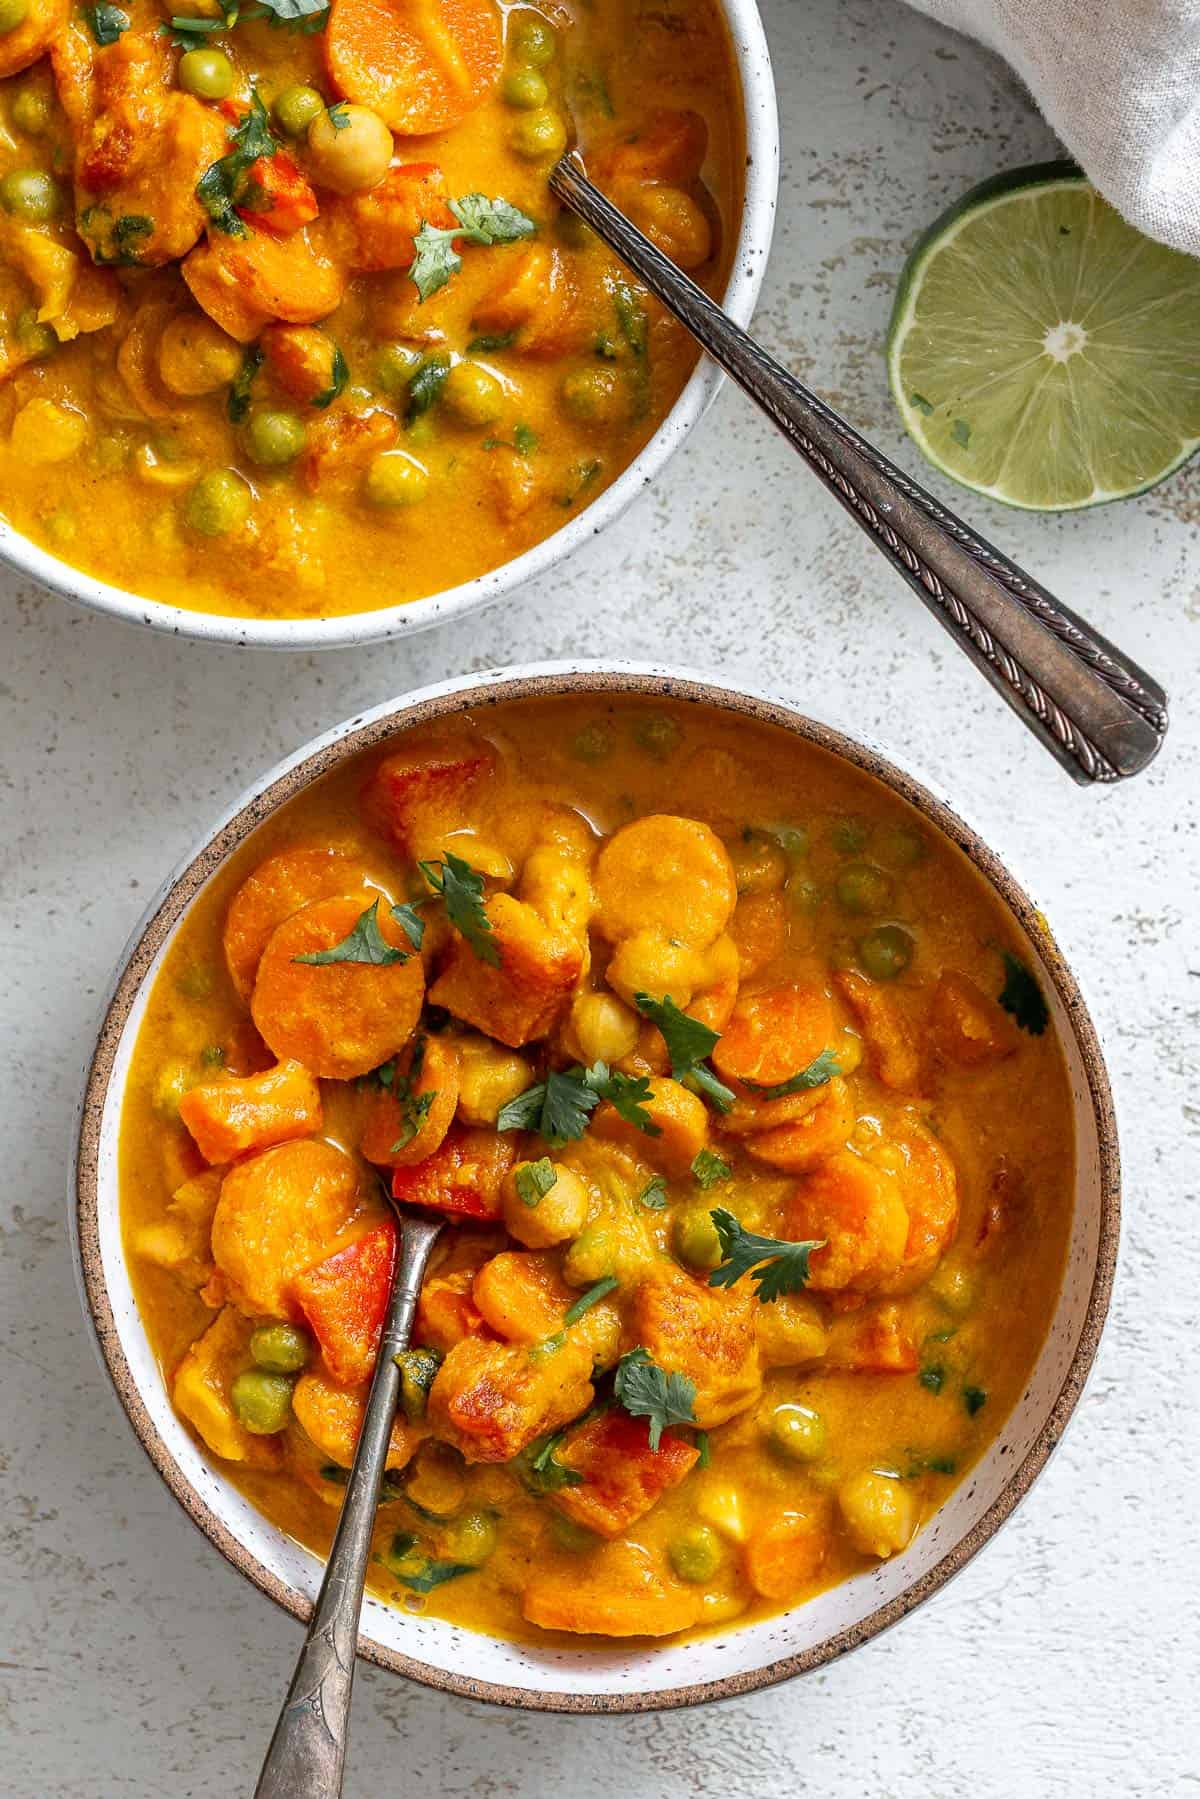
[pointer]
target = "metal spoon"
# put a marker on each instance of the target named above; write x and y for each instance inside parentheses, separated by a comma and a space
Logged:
(1092, 707)
(308, 1750)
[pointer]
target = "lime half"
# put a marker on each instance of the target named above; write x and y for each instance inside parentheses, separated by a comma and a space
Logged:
(1044, 353)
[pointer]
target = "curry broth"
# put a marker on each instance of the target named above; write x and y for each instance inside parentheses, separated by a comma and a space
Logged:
(106, 478)
(976, 1324)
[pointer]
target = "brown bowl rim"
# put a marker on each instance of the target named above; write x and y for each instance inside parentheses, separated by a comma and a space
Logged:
(476, 693)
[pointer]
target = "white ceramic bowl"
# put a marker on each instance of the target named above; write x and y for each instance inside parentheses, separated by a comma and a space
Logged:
(747, 269)
(626, 1677)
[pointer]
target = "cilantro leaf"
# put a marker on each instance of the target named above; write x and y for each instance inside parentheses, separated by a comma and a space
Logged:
(413, 926)
(773, 1264)
(339, 374)
(1022, 997)
(480, 221)
(524, 1112)
(688, 1043)
(106, 23)
(709, 1169)
(221, 185)
(462, 889)
(820, 1070)
(654, 1194)
(491, 340)
(339, 115)
(626, 1093)
(425, 385)
(533, 1180)
(414, 1109)
(540, 1472)
(238, 404)
(556, 1108)
(608, 1284)
(974, 1399)
(933, 1377)
(364, 944)
(648, 1391)
(417, 1571)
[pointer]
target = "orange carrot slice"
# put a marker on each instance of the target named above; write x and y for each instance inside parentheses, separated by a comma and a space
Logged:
(423, 65)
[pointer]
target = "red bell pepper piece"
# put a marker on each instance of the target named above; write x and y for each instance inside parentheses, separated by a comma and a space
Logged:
(345, 1300)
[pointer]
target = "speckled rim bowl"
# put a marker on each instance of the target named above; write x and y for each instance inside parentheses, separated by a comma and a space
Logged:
(746, 273)
(630, 1676)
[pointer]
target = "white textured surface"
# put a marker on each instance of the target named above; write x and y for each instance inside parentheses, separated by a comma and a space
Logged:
(134, 1664)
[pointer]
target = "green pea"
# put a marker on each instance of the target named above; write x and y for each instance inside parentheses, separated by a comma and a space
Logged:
(12, 14)
(263, 1402)
(793, 840)
(886, 952)
(471, 395)
(418, 1368)
(658, 735)
(849, 835)
(219, 502)
(279, 1348)
(695, 1238)
(206, 73)
(394, 367)
(593, 396)
(901, 847)
(30, 194)
(36, 339)
(797, 1433)
(695, 1554)
(539, 136)
(525, 89)
(593, 743)
(804, 893)
(274, 438)
(296, 108)
(862, 888)
(470, 1539)
(396, 479)
(533, 42)
(31, 110)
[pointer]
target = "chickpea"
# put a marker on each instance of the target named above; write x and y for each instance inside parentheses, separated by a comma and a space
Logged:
(559, 1215)
(539, 136)
(595, 396)
(396, 479)
(759, 864)
(604, 1029)
(675, 224)
(196, 357)
(208, 74)
(650, 963)
(219, 502)
(878, 1512)
(471, 395)
(489, 1076)
(296, 108)
(350, 148)
(44, 432)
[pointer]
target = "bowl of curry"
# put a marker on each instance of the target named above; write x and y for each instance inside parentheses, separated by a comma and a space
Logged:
(296, 349)
(772, 1132)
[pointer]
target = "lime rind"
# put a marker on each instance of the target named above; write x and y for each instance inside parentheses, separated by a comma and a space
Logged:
(982, 319)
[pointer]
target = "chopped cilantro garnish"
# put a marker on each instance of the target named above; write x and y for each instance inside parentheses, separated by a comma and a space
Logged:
(1022, 997)
(106, 23)
(592, 1297)
(533, 1180)
(647, 1391)
(819, 1071)
(773, 1264)
(709, 1169)
(480, 221)
(221, 186)
(688, 1043)
(364, 944)
(974, 1399)
(238, 404)
(654, 1194)
(461, 887)
(339, 374)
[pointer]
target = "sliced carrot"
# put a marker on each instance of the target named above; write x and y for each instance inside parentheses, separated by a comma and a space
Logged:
(463, 1177)
(341, 1019)
(422, 65)
(278, 1213)
(377, 227)
(345, 1299)
(388, 1138)
(775, 1033)
(302, 360)
(521, 1295)
(277, 888)
(244, 282)
(229, 1117)
(282, 198)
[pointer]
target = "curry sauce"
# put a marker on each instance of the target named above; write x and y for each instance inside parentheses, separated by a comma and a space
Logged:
(751, 1131)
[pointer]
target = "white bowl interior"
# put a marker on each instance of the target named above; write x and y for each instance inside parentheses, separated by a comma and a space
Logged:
(747, 267)
(636, 1670)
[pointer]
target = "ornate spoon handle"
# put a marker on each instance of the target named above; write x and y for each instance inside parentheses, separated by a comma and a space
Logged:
(1094, 709)
(308, 1750)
